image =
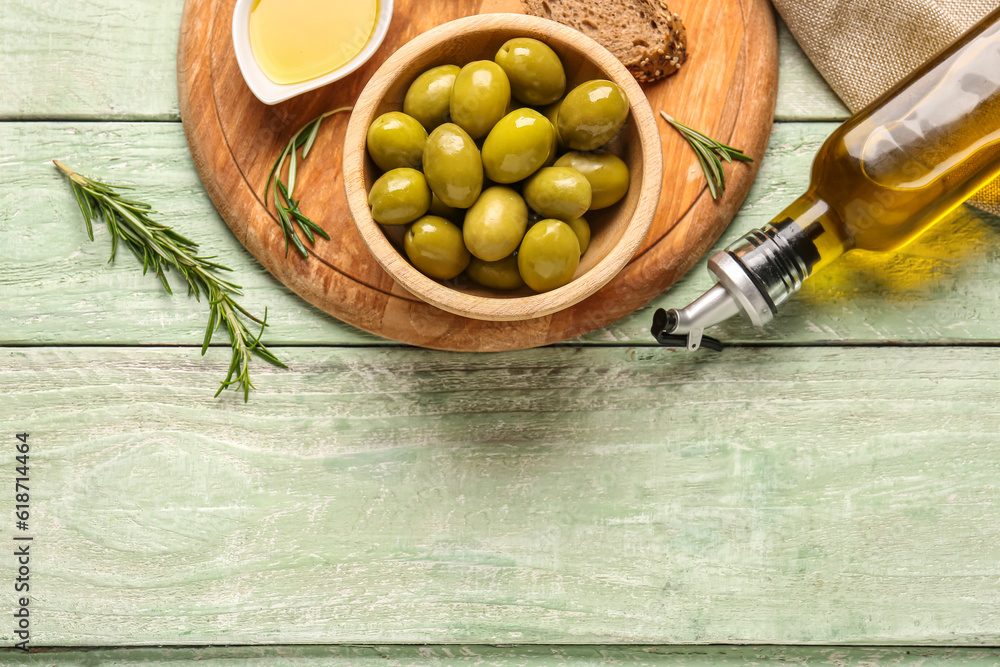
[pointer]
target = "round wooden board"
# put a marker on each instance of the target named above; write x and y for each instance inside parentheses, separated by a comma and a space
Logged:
(727, 89)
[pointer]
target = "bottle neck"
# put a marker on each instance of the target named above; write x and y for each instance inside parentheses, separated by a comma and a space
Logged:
(812, 231)
(766, 266)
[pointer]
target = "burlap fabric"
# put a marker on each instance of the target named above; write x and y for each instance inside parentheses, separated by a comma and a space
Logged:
(862, 47)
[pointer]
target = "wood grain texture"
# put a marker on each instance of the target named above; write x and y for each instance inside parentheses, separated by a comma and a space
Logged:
(726, 89)
(513, 656)
(617, 231)
(100, 59)
(567, 495)
(57, 288)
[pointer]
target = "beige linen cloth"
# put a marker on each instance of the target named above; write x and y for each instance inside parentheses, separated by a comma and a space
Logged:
(862, 47)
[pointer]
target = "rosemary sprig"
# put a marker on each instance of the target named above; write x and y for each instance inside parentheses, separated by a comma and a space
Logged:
(287, 207)
(710, 154)
(159, 248)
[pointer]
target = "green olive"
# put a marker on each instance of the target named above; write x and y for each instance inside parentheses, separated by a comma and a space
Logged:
(536, 74)
(399, 196)
(558, 192)
(442, 210)
(607, 174)
(495, 224)
(429, 96)
(453, 166)
(479, 98)
(549, 255)
(435, 247)
(501, 274)
(591, 114)
(517, 146)
(396, 140)
(582, 231)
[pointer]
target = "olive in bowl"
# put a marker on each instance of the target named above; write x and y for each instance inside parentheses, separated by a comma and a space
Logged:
(616, 232)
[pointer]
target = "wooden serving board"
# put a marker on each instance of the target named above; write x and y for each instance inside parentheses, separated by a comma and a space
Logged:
(727, 89)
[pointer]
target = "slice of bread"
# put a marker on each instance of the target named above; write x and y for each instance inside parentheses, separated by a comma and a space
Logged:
(647, 37)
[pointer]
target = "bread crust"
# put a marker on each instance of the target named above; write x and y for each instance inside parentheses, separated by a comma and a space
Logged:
(648, 38)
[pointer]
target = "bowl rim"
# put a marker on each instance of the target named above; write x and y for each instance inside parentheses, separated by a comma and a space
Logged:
(271, 93)
(501, 308)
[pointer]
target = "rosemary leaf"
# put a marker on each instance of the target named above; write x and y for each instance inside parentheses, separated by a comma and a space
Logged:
(209, 330)
(286, 207)
(160, 248)
(710, 154)
(310, 140)
(88, 214)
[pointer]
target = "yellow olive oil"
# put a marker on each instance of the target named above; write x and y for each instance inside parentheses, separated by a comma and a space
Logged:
(880, 180)
(298, 40)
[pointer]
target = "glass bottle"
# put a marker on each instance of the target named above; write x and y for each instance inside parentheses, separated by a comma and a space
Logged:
(880, 180)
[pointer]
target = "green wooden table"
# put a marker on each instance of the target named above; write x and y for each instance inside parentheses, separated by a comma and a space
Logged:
(823, 492)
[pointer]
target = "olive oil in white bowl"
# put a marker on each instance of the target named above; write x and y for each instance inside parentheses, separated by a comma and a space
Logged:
(287, 47)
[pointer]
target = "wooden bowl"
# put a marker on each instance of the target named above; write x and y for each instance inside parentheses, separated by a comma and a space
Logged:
(617, 231)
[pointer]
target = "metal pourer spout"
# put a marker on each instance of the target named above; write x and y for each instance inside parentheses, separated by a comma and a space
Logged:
(684, 327)
(756, 274)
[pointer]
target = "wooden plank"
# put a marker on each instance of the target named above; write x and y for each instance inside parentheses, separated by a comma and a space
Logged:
(570, 495)
(55, 280)
(803, 94)
(515, 656)
(115, 59)
(100, 59)
(57, 288)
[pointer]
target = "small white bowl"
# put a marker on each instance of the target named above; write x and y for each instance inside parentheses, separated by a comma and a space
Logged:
(268, 91)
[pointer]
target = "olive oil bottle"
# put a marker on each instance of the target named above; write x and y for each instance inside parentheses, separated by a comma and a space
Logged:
(884, 177)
